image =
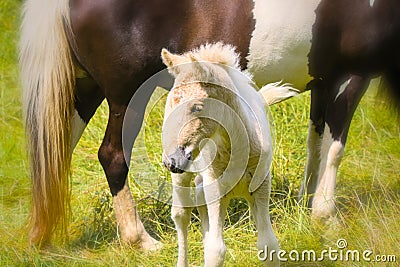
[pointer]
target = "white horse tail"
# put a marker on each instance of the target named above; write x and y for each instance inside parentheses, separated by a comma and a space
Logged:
(273, 93)
(48, 81)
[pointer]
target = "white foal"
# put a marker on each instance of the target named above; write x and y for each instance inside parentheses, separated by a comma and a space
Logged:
(215, 126)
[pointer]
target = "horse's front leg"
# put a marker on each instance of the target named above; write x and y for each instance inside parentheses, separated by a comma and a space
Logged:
(182, 205)
(259, 206)
(214, 245)
(314, 140)
(111, 156)
(339, 112)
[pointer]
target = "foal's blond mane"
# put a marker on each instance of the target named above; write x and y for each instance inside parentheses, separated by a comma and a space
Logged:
(215, 53)
(218, 65)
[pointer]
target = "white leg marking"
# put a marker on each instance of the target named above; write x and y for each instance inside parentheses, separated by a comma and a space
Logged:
(129, 223)
(313, 161)
(78, 126)
(342, 88)
(331, 154)
(260, 209)
(280, 41)
(181, 213)
(371, 3)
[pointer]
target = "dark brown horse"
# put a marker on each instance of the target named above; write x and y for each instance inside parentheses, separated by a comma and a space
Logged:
(74, 54)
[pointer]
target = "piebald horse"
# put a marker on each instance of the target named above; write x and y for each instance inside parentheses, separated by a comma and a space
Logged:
(74, 54)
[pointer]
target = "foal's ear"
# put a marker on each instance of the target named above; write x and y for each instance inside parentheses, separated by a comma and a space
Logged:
(170, 60)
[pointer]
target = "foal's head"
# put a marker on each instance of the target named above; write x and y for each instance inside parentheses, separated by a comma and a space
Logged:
(197, 102)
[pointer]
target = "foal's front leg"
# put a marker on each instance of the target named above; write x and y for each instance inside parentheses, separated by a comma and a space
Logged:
(214, 246)
(182, 205)
(201, 206)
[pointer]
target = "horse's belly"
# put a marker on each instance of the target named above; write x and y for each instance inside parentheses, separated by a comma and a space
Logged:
(281, 41)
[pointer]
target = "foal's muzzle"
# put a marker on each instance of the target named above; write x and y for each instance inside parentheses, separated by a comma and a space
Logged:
(178, 161)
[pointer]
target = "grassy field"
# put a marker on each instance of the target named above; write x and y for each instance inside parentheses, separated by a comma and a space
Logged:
(368, 187)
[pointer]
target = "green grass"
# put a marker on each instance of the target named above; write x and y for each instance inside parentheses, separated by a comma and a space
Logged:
(368, 186)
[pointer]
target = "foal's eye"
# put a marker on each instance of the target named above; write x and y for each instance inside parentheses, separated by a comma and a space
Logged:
(197, 108)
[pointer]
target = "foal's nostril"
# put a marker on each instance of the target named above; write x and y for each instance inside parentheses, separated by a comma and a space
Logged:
(172, 163)
(177, 161)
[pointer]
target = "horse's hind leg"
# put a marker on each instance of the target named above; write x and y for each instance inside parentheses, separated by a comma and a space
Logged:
(339, 112)
(259, 206)
(111, 156)
(88, 97)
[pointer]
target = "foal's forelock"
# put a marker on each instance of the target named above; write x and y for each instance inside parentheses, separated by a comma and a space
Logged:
(186, 92)
(199, 90)
(204, 72)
